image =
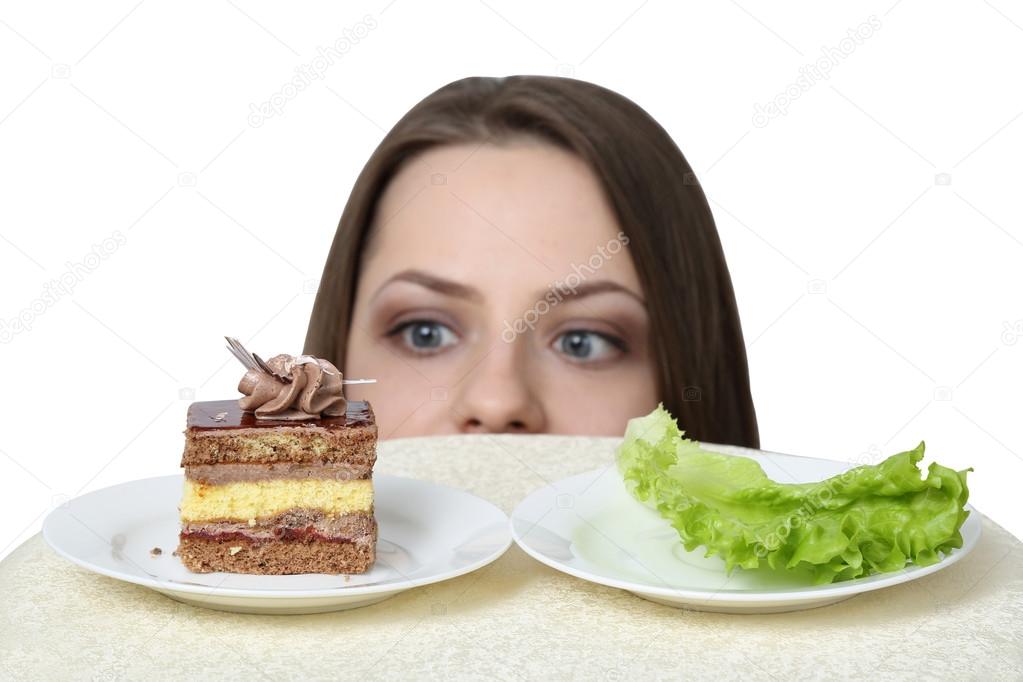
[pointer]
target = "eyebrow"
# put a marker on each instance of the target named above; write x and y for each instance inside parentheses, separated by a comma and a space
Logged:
(590, 289)
(454, 289)
(442, 286)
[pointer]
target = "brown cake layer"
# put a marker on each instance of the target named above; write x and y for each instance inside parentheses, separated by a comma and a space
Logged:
(219, 432)
(219, 474)
(237, 555)
(290, 525)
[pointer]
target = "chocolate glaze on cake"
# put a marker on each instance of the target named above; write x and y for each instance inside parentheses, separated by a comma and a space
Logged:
(227, 414)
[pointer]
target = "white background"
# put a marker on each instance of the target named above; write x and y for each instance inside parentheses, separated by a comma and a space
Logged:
(874, 231)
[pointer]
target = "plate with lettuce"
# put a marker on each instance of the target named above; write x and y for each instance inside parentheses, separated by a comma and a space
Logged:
(737, 530)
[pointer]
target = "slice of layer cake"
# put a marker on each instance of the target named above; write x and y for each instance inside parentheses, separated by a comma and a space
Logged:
(280, 482)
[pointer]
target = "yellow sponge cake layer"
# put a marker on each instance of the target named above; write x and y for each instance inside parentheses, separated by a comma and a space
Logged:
(257, 499)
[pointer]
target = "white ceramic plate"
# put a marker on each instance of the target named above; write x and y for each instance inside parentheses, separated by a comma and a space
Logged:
(428, 533)
(590, 527)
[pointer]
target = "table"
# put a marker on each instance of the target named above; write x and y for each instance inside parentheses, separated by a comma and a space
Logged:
(515, 618)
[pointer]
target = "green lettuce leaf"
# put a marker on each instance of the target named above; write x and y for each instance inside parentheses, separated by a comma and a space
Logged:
(867, 520)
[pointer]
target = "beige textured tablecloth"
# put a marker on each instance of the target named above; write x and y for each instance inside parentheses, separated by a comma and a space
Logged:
(515, 618)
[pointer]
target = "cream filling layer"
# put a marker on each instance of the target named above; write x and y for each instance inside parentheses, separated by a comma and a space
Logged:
(246, 500)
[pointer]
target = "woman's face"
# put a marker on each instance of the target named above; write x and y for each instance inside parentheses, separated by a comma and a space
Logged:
(498, 295)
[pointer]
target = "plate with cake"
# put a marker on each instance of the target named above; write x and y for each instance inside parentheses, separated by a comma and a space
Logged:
(278, 510)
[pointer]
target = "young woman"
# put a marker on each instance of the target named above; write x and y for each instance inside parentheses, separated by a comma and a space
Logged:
(533, 255)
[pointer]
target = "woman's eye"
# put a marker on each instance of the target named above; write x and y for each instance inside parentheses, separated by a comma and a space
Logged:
(424, 336)
(587, 346)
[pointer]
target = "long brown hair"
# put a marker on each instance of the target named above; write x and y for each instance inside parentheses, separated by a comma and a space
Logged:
(698, 349)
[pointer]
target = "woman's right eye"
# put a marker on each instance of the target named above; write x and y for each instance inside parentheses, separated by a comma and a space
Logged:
(423, 337)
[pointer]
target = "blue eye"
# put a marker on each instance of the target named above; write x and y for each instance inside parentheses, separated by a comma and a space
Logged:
(586, 346)
(424, 336)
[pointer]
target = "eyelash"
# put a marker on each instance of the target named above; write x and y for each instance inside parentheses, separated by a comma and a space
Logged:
(610, 339)
(401, 327)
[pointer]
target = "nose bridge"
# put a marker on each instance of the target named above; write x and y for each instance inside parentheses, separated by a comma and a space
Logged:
(497, 394)
(500, 366)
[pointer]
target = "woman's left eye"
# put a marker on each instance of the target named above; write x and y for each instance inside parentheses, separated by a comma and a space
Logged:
(424, 337)
(587, 346)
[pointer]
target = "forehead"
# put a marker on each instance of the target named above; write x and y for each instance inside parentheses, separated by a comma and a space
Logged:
(478, 212)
